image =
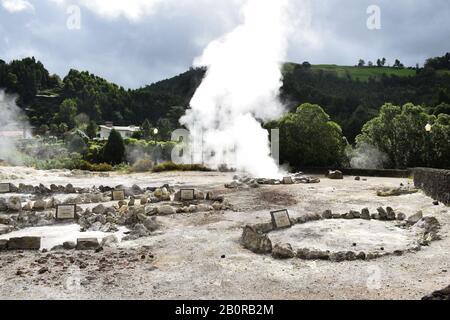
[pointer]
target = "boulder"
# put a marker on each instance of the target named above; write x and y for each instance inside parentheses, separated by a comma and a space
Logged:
(415, 218)
(24, 243)
(69, 245)
(144, 200)
(166, 210)
(14, 204)
(87, 244)
(335, 175)
(255, 242)
(283, 251)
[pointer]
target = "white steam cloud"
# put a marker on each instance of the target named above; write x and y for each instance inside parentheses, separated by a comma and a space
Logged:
(13, 127)
(366, 156)
(240, 88)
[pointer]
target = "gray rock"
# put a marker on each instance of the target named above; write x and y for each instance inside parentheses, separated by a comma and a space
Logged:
(3, 205)
(415, 218)
(335, 175)
(100, 209)
(109, 240)
(361, 256)
(39, 205)
(70, 189)
(365, 214)
(256, 242)
(327, 214)
(401, 216)
(318, 255)
(350, 256)
(4, 219)
(4, 229)
(87, 244)
(14, 204)
(355, 214)
(338, 256)
(166, 210)
(303, 253)
(383, 215)
(283, 251)
(69, 245)
(151, 224)
(3, 245)
(24, 243)
(390, 213)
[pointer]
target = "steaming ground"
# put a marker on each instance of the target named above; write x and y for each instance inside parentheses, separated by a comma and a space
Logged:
(183, 260)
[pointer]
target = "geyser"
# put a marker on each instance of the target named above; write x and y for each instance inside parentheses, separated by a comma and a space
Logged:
(240, 89)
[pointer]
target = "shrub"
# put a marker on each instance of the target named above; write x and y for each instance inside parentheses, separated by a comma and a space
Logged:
(170, 166)
(142, 165)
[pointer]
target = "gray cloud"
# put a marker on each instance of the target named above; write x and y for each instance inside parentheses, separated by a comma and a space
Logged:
(134, 46)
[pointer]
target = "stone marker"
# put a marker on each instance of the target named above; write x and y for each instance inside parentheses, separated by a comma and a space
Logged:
(24, 243)
(280, 219)
(5, 188)
(288, 180)
(187, 194)
(118, 195)
(66, 211)
(87, 244)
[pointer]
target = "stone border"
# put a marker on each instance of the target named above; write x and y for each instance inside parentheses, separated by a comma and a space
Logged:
(255, 237)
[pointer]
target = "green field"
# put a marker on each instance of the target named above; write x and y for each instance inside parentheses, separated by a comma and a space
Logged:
(357, 73)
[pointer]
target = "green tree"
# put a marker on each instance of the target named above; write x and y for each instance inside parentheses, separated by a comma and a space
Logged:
(309, 138)
(92, 129)
(67, 112)
(114, 150)
(400, 133)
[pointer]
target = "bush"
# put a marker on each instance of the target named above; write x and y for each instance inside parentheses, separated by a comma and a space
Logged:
(170, 166)
(142, 165)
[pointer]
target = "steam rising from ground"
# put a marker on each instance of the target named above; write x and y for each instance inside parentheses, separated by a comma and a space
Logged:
(241, 87)
(366, 156)
(12, 128)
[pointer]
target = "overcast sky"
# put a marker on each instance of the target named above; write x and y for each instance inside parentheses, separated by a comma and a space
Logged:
(137, 42)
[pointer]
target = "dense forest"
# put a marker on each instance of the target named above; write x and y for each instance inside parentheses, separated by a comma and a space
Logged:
(351, 101)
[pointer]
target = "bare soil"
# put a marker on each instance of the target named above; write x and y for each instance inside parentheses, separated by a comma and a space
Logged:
(198, 255)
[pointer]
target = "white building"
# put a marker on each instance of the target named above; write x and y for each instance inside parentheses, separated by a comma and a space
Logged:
(125, 132)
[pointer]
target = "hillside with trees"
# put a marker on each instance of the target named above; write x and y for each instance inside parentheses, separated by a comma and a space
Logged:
(350, 96)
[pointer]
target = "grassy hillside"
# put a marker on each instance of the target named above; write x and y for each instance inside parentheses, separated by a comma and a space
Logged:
(357, 73)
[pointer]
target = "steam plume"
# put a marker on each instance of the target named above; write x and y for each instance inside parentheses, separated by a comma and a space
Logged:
(13, 126)
(240, 88)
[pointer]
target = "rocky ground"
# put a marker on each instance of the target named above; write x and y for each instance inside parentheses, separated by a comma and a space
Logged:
(198, 255)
